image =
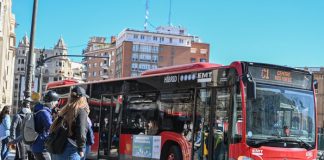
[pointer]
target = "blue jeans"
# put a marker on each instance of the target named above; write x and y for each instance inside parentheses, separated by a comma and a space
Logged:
(4, 148)
(87, 151)
(70, 153)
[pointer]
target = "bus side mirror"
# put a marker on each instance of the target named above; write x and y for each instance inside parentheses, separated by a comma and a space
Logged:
(251, 90)
(315, 84)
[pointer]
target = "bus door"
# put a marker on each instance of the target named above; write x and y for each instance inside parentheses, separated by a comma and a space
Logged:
(109, 127)
(211, 123)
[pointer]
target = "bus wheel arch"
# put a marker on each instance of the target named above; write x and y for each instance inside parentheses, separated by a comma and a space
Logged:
(171, 151)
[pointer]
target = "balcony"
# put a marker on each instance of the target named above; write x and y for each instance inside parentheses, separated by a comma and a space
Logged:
(105, 75)
(105, 66)
(84, 69)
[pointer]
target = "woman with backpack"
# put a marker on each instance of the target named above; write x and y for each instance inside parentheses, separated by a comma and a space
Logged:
(74, 117)
(5, 131)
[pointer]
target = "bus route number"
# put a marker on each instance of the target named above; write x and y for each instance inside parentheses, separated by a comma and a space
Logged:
(265, 73)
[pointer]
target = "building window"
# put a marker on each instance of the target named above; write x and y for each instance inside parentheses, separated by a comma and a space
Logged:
(154, 66)
(203, 51)
(142, 37)
(94, 74)
(134, 57)
(134, 66)
(181, 41)
(101, 73)
(193, 50)
(155, 58)
(135, 36)
(89, 66)
(154, 38)
(181, 31)
(133, 74)
(193, 60)
(170, 40)
(95, 65)
(161, 39)
(203, 60)
(135, 48)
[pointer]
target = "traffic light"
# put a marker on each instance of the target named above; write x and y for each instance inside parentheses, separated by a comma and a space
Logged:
(40, 61)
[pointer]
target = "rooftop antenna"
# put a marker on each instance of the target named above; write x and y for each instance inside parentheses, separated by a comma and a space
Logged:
(146, 15)
(170, 14)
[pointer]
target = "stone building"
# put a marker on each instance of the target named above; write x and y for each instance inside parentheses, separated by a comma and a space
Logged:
(7, 51)
(56, 69)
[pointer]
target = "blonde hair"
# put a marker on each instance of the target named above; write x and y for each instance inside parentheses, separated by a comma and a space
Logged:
(69, 112)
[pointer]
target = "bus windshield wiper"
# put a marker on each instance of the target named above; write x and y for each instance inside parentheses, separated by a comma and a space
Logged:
(307, 145)
(302, 142)
(269, 140)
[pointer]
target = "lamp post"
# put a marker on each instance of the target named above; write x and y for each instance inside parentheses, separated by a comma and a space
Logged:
(30, 60)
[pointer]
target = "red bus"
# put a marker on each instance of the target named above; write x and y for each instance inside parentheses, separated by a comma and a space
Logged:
(205, 111)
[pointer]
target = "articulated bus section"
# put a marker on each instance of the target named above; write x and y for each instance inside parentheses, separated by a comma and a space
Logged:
(203, 111)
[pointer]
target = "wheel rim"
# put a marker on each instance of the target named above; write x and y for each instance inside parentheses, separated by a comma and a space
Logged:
(171, 156)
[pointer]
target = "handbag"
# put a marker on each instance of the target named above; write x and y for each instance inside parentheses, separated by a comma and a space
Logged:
(57, 140)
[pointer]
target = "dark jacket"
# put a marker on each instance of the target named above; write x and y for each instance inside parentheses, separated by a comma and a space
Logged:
(43, 121)
(15, 134)
(79, 129)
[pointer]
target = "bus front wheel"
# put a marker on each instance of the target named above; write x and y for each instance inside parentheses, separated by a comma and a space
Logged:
(174, 153)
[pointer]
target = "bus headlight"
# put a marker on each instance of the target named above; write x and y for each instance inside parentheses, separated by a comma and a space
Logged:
(244, 158)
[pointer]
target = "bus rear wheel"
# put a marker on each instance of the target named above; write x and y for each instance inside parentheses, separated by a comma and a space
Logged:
(174, 153)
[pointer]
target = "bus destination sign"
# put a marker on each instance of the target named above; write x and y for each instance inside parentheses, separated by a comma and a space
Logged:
(281, 77)
(199, 77)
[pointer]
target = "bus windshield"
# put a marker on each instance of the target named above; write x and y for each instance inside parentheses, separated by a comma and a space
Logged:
(281, 113)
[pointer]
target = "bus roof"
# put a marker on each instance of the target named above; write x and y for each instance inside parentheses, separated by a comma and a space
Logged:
(60, 83)
(192, 67)
(181, 68)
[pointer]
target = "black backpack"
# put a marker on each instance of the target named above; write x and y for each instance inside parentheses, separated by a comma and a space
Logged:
(90, 136)
(57, 140)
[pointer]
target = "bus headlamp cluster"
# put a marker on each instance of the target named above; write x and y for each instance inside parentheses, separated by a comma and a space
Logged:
(244, 158)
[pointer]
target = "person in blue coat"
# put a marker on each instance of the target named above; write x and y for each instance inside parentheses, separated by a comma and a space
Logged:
(5, 131)
(43, 122)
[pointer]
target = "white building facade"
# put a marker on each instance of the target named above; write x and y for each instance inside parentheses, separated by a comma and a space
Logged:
(7, 52)
(55, 69)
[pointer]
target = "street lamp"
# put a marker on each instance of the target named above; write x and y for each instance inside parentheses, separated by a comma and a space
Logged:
(41, 64)
(31, 60)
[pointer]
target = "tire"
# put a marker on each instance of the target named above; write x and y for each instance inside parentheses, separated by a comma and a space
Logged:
(174, 153)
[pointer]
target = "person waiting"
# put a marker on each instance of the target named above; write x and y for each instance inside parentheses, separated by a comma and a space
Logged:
(152, 127)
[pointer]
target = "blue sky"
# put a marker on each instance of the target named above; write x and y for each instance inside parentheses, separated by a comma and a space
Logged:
(285, 32)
